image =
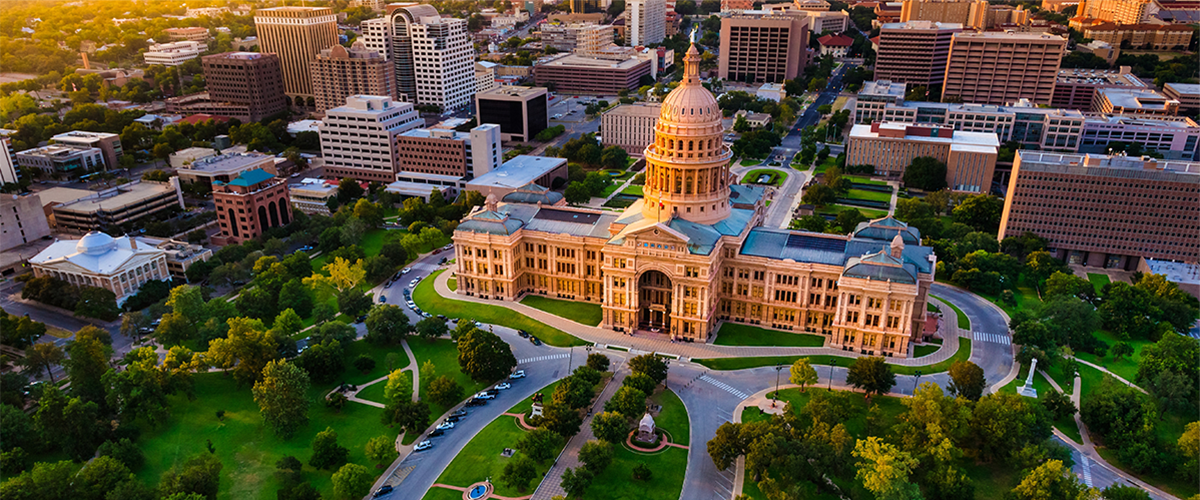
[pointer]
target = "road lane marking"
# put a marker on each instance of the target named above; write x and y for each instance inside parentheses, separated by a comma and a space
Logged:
(994, 338)
(725, 387)
(542, 358)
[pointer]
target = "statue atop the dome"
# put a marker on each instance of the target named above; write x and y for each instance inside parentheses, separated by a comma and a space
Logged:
(692, 36)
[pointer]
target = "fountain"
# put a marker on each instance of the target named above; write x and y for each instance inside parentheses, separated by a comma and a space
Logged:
(477, 492)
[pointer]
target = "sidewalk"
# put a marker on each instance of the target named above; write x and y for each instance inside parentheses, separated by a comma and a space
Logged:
(551, 485)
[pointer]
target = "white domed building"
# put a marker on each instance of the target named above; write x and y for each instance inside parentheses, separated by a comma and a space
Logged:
(693, 252)
(117, 264)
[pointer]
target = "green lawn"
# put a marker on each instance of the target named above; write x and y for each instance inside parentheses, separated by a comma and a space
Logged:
(746, 335)
(963, 353)
(964, 323)
(452, 284)
(750, 162)
(480, 459)
(616, 482)
(444, 355)
(862, 194)
(777, 178)
(585, 313)
(673, 418)
(992, 480)
(633, 190)
(866, 180)
(247, 449)
(371, 243)
(429, 300)
(1126, 367)
(442, 494)
(856, 425)
(612, 188)
(821, 167)
(374, 392)
(869, 213)
(924, 350)
(526, 405)
(1098, 280)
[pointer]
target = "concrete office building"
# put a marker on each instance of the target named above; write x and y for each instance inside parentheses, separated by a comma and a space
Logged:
(243, 85)
(521, 112)
(875, 97)
(377, 36)
(969, 13)
(62, 161)
(250, 204)
(485, 76)
(1103, 50)
(915, 52)
(8, 162)
(338, 73)
(192, 33)
(1188, 95)
(521, 172)
(1124, 101)
(1075, 88)
(1175, 138)
(117, 206)
(296, 34)
(630, 126)
(758, 47)
(811, 5)
(578, 74)
(736, 6)
(970, 157)
(833, 21)
(180, 255)
(645, 22)
(581, 38)
(224, 167)
(433, 56)
(1105, 211)
(22, 220)
(108, 143)
(1001, 68)
(1115, 11)
(447, 153)
(174, 53)
(358, 139)
(312, 196)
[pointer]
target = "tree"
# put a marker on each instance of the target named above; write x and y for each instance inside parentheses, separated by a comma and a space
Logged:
(562, 419)
(925, 173)
(431, 328)
(398, 387)
(540, 444)
(1059, 405)
(1064, 284)
(577, 193)
(100, 476)
(639, 381)
(245, 351)
(1122, 349)
(967, 380)
(519, 472)
(323, 360)
(282, 397)
(44, 356)
(596, 455)
(650, 364)
(598, 362)
(140, 389)
(610, 426)
(199, 475)
(849, 219)
(1120, 491)
(1173, 353)
(45, 480)
(872, 375)
(981, 212)
(819, 195)
(289, 322)
(884, 470)
(576, 481)
(381, 449)
(124, 451)
(802, 374)
(20, 332)
(412, 416)
(353, 302)
(484, 356)
(327, 453)
(1052, 480)
(386, 324)
(628, 401)
(445, 391)
(364, 363)
(352, 481)
(348, 190)
(1004, 422)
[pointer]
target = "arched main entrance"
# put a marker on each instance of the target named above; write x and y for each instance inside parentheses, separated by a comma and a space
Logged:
(654, 302)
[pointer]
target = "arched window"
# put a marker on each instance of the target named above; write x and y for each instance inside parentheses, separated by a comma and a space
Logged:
(233, 223)
(262, 217)
(273, 211)
(284, 211)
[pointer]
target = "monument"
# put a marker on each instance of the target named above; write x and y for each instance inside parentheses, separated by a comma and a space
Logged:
(645, 432)
(1028, 390)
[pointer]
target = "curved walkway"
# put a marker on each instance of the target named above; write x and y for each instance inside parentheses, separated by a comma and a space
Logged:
(520, 420)
(490, 496)
(660, 343)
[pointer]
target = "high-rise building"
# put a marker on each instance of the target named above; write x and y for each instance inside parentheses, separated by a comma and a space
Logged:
(630, 126)
(915, 52)
(338, 73)
(1002, 68)
(243, 85)
(757, 48)
(358, 139)
(970, 157)
(969, 13)
(250, 204)
(296, 34)
(1115, 11)
(433, 56)
(1153, 36)
(1105, 211)
(521, 112)
(377, 35)
(645, 22)
(586, 6)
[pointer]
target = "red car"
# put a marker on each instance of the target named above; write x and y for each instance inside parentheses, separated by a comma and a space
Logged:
(437, 250)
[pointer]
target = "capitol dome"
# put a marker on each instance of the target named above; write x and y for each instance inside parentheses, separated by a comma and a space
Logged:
(95, 243)
(690, 102)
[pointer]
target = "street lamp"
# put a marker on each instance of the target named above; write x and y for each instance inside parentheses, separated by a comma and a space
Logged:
(916, 382)
(832, 363)
(775, 396)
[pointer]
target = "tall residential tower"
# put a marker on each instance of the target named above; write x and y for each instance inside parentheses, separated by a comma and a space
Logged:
(433, 56)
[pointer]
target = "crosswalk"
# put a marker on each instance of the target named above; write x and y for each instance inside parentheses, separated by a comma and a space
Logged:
(992, 337)
(725, 387)
(1087, 469)
(542, 358)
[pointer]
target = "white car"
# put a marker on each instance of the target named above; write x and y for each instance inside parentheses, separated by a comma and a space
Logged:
(485, 395)
(423, 445)
(447, 247)
(445, 426)
(412, 284)
(406, 270)
(425, 314)
(517, 374)
(503, 385)
(412, 305)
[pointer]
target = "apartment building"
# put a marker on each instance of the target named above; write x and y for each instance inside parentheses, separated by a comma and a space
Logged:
(969, 13)
(645, 22)
(433, 56)
(1124, 101)
(914, 52)
(358, 139)
(521, 112)
(174, 53)
(630, 126)
(1075, 88)
(243, 85)
(107, 143)
(249, 204)
(1104, 210)
(970, 157)
(1002, 68)
(377, 36)
(446, 154)
(338, 73)
(296, 35)
(758, 47)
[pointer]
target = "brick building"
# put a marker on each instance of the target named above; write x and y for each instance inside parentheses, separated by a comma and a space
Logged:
(759, 47)
(577, 74)
(915, 52)
(243, 85)
(1001, 68)
(970, 157)
(338, 73)
(250, 204)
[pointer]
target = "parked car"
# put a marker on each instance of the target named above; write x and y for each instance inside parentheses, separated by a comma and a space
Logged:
(413, 283)
(485, 395)
(388, 284)
(492, 392)
(387, 488)
(360, 319)
(503, 386)
(523, 333)
(425, 314)
(459, 413)
(437, 432)
(423, 445)
(535, 340)
(411, 305)
(383, 299)
(447, 425)
(447, 247)
(406, 270)
(517, 374)
(452, 418)
(474, 402)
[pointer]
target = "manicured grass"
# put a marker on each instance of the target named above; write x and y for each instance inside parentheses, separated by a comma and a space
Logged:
(435, 493)
(480, 459)
(750, 162)
(247, 449)
(861, 194)
(1126, 367)
(58, 332)
(452, 284)
(869, 213)
(856, 425)
(616, 482)
(673, 418)
(374, 392)
(821, 167)
(746, 335)
(371, 243)
(580, 312)
(777, 178)
(925, 350)
(964, 322)
(1098, 280)
(633, 190)
(963, 353)
(866, 180)
(527, 405)
(429, 300)
(931, 308)
(444, 355)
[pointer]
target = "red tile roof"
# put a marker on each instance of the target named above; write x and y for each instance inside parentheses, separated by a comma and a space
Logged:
(836, 41)
(201, 118)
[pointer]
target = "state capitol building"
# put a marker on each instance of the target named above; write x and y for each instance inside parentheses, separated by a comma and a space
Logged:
(693, 252)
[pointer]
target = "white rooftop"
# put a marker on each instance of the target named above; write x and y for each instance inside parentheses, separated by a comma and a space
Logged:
(303, 126)
(96, 252)
(519, 171)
